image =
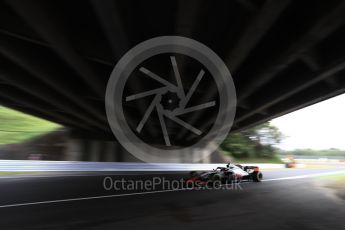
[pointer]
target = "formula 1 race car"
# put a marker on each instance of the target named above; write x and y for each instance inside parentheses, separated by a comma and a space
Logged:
(228, 174)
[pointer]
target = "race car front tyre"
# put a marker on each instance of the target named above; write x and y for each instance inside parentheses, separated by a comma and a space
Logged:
(257, 176)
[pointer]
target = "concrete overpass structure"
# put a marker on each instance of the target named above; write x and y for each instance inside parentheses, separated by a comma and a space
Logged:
(56, 56)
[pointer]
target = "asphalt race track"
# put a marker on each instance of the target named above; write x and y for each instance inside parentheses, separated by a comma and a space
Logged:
(79, 201)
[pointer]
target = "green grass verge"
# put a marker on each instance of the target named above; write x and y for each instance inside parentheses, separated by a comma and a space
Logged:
(337, 177)
(16, 127)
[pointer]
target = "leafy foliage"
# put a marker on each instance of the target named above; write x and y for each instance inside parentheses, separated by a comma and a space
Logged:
(256, 142)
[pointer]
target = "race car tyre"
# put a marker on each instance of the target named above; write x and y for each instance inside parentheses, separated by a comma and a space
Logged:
(217, 184)
(216, 178)
(257, 176)
(216, 181)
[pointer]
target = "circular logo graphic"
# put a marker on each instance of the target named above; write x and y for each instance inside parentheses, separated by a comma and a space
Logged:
(170, 99)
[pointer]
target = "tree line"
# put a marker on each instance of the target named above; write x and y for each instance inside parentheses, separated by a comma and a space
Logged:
(313, 152)
(256, 142)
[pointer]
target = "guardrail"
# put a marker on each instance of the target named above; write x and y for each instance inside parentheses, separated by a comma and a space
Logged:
(78, 166)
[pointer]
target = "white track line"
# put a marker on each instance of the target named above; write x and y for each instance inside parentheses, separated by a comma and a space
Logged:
(307, 176)
(87, 198)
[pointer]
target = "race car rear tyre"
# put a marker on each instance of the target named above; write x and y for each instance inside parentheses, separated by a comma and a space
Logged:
(216, 181)
(257, 176)
(216, 178)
